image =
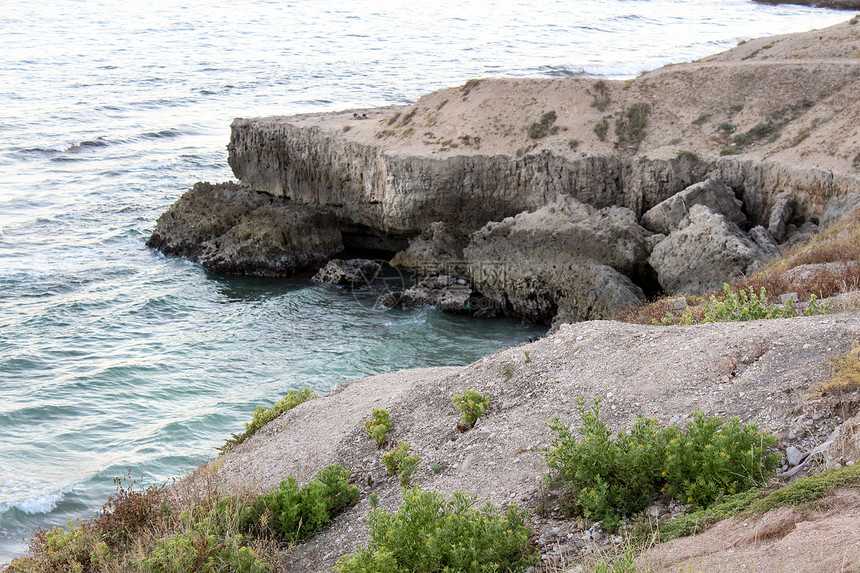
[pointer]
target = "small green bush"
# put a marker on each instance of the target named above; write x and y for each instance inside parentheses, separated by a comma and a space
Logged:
(610, 477)
(291, 512)
(688, 155)
(747, 305)
(756, 133)
(601, 128)
(263, 416)
(77, 549)
(201, 550)
(377, 426)
(544, 126)
(399, 462)
(429, 534)
(473, 405)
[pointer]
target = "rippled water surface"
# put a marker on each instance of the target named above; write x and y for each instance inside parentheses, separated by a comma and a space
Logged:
(113, 358)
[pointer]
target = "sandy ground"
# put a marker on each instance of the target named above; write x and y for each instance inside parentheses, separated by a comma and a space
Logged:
(805, 85)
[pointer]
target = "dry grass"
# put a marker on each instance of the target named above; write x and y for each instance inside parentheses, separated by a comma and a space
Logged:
(845, 373)
(660, 311)
(834, 253)
(132, 522)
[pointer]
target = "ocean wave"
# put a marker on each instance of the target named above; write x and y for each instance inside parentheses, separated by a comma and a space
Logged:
(34, 504)
(100, 141)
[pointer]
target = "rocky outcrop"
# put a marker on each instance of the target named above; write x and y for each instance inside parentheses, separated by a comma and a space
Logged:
(566, 257)
(834, 4)
(667, 215)
(707, 251)
(447, 293)
(232, 229)
(438, 249)
(779, 159)
(349, 274)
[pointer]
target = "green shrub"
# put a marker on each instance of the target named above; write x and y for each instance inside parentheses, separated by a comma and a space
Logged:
(747, 305)
(429, 534)
(607, 475)
(726, 127)
(610, 477)
(473, 405)
(77, 549)
(715, 458)
(198, 548)
(291, 512)
(399, 462)
(544, 126)
(263, 416)
(377, 426)
(688, 155)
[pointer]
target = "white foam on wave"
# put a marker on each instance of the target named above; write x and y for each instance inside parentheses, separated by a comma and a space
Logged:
(29, 500)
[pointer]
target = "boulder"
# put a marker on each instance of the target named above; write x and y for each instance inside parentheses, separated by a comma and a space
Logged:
(707, 251)
(563, 231)
(439, 249)
(232, 229)
(780, 213)
(350, 273)
(762, 237)
(667, 216)
(447, 293)
(565, 257)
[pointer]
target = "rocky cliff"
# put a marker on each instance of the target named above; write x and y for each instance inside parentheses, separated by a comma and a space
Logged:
(771, 123)
(774, 121)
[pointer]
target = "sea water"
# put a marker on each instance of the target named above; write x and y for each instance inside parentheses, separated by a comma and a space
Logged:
(115, 359)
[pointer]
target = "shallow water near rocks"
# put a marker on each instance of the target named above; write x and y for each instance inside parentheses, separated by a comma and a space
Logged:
(114, 358)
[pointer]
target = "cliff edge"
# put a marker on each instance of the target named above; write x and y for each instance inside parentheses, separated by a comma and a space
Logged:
(774, 120)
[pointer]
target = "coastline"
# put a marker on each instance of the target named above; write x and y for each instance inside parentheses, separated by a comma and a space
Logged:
(770, 366)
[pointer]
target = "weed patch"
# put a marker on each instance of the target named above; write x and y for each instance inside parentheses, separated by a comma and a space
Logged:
(630, 128)
(263, 416)
(845, 373)
(809, 489)
(429, 534)
(703, 117)
(399, 462)
(601, 99)
(601, 128)
(544, 126)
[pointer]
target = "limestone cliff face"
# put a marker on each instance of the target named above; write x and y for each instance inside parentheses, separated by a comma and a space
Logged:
(772, 121)
(374, 186)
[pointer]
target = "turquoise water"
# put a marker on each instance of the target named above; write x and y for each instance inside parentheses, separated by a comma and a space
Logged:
(114, 358)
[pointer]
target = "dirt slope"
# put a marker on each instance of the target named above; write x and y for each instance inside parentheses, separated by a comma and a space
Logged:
(762, 371)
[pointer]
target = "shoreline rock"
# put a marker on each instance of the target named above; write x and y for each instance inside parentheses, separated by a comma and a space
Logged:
(232, 229)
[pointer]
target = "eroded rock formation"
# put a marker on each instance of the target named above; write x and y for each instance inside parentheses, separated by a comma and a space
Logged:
(232, 229)
(586, 219)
